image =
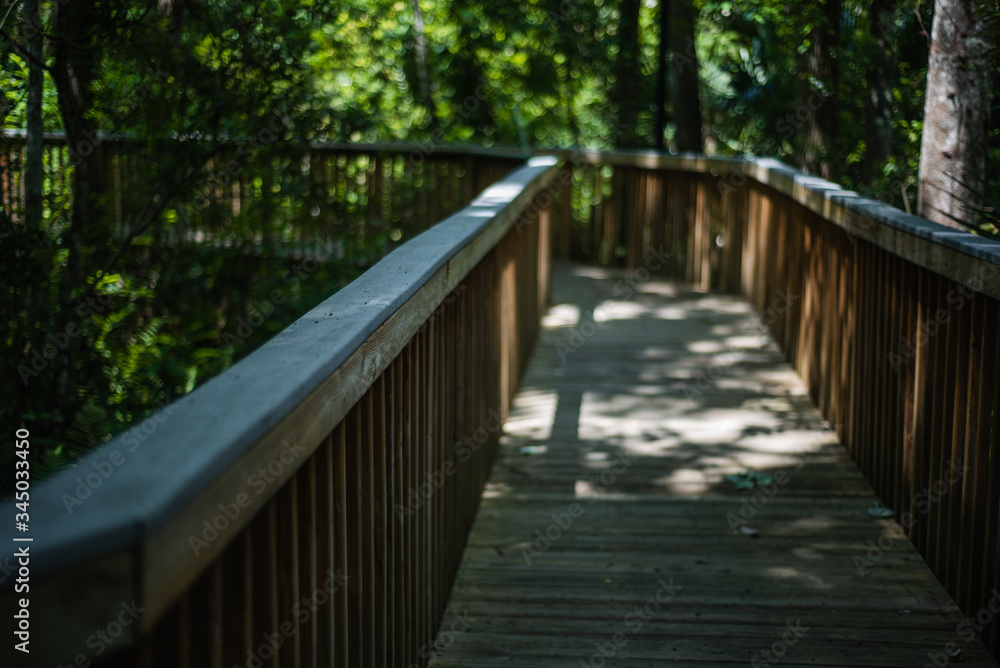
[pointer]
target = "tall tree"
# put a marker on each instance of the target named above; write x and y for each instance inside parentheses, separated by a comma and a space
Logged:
(879, 110)
(627, 85)
(954, 144)
(817, 84)
(75, 72)
(423, 75)
(686, 97)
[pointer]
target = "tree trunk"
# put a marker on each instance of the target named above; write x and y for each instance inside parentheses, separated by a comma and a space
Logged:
(816, 88)
(686, 102)
(74, 71)
(34, 145)
(662, 75)
(423, 77)
(626, 89)
(878, 111)
(956, 113)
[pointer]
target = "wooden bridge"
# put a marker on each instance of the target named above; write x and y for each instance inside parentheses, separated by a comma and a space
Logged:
(672, 447)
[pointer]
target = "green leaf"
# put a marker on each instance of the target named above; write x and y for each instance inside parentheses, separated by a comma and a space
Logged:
(879, 512)
(748, 480)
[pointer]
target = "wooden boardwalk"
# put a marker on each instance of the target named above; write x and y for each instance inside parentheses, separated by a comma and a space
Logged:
(608, 536)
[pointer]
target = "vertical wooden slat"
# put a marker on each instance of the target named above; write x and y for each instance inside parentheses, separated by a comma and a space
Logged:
(377, 446)
(958, 324)
(880, 349)
(968, 513)
(366, 544)
(171, 641)
(287, 574)
(237, 599)
(399, 581)
(899, 376)
(326, 567)
(343, 564)
(214, 612)
(941, 387)
(357, 548)
(907, 363)
(412, 431)
(309, 594)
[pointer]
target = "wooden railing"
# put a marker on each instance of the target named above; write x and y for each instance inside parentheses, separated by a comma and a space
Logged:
(356, 443)
(319, 197)
(312, 502)
(891, 321)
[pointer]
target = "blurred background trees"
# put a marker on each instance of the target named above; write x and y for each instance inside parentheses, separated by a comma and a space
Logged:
(204, 90)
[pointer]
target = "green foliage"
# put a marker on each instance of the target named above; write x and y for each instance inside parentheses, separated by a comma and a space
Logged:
(164, 269)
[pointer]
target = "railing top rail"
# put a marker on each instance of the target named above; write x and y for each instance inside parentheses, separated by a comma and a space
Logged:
(274, 401)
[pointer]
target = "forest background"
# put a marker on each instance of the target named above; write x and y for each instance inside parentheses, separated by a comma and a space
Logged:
(897, 100)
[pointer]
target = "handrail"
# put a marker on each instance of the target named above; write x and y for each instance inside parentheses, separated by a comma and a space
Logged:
(956, 254)
(127, 535)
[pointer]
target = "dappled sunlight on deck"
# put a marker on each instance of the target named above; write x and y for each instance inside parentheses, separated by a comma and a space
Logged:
(611, 492)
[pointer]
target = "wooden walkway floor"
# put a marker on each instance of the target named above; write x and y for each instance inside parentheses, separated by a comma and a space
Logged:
(608, 536)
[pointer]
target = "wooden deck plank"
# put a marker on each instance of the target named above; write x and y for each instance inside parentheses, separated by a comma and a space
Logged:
(608, 535)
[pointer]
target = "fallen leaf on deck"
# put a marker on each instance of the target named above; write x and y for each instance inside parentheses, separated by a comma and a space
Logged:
(748, 479)
(879, 512)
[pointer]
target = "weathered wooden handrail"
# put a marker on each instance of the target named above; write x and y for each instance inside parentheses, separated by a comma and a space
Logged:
(890, 320)
(313, 501)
